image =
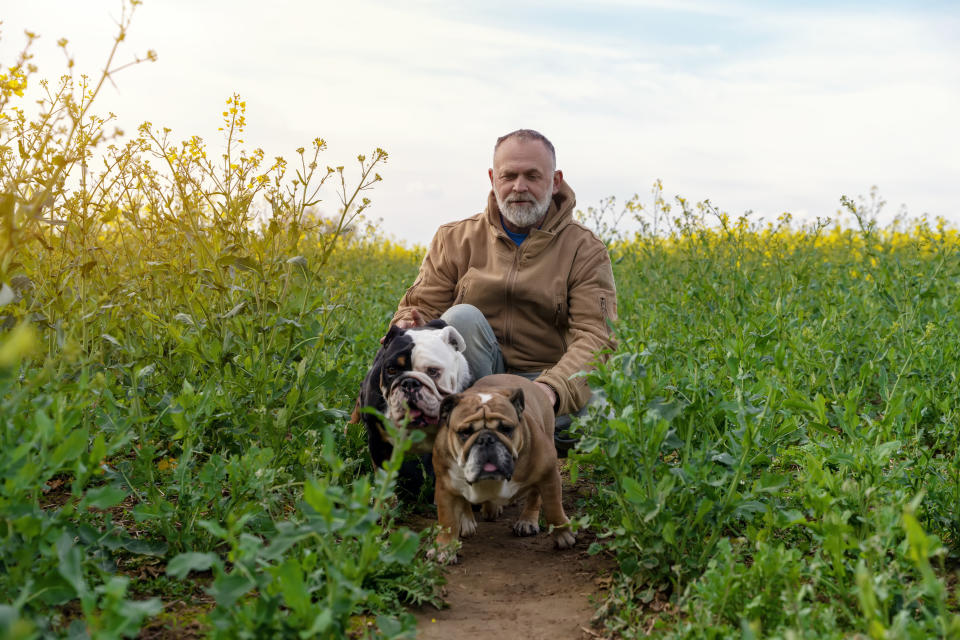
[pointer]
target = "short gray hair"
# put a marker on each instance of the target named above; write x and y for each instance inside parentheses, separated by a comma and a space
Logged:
(528, 134)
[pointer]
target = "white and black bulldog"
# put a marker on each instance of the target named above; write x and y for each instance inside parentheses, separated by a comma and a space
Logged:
(413, 372)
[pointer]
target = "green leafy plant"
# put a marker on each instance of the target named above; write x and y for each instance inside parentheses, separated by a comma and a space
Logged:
(774, 438)
(319, 571)
(177, 344)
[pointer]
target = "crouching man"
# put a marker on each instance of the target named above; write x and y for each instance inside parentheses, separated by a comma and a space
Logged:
(530, 289)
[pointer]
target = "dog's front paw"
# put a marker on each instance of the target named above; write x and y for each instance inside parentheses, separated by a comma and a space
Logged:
(564, 538)
(468, 526)
(447, 555)
(526, 528)
(491, 511)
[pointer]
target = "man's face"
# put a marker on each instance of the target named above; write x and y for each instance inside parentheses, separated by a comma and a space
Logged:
(523, 180)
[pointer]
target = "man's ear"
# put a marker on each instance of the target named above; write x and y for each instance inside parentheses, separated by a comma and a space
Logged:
(490, 173)
(516, 399)
(557, 179)
(446, 408)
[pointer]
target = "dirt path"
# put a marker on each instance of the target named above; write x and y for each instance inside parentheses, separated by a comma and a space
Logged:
(508, 587)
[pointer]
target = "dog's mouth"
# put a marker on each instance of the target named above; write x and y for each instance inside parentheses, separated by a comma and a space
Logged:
(490, 471)
(418, 418)
(487, 459)
(416, 402)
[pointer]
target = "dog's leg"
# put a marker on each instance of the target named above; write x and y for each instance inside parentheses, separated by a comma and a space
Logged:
(468, 524)
(553, 511)
(411, 480)
(491, 511)
(528, 524)
(380, 449)
(448, 516)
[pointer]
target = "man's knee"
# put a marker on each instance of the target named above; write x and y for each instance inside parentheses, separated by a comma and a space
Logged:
(482, 352)
(466, 318)
(472, 325)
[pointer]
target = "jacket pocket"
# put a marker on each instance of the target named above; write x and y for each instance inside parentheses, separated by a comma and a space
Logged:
(412, 290)
(605, 315)
(462, 287)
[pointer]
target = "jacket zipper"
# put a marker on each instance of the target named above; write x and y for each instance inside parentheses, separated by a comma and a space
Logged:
(511, 283)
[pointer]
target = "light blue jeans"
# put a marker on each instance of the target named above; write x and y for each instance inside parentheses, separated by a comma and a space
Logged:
(483, 351)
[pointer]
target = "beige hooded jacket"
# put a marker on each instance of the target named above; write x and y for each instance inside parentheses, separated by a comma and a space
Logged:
(547, 300)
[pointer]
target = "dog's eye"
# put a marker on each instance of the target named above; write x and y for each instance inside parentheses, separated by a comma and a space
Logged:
(463, 435)
(505, 429)
(433, 372)
(391, 371)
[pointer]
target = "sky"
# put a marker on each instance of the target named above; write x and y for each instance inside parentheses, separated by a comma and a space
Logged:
(768, 107)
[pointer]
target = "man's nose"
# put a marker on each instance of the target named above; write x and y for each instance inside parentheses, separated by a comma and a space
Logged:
(519, 185)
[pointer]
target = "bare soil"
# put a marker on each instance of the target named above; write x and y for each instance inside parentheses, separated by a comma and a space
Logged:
(510, 587)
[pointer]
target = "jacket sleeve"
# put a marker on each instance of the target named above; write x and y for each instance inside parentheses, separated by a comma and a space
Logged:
(592, 303)
(432, 292)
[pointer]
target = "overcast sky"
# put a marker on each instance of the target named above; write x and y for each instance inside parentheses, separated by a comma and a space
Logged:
(763, 106)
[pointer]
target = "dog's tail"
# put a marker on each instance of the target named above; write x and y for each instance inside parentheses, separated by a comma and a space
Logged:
(355, 414)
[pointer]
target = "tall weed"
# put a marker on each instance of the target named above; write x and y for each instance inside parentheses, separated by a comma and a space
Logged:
(181, 332)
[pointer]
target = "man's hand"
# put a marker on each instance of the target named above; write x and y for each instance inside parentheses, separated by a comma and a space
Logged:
(416, 320)
(551, 394)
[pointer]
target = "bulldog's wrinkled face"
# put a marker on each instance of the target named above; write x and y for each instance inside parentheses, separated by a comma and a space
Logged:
(421, 367)
(483, 432)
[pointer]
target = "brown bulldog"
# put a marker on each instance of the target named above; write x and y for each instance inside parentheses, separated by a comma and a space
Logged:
(494, 444)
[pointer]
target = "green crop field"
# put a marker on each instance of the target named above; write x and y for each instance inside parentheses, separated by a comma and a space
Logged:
(777, 454)
(773, 453)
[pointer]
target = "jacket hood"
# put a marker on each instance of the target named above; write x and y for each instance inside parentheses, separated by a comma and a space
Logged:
(559, 214)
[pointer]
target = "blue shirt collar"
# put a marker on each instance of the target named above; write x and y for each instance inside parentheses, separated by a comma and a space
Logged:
(517, 238)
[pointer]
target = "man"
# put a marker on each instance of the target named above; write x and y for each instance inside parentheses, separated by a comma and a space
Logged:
(530, 289)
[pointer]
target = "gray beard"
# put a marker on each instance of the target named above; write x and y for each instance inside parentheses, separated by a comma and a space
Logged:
(524, 214)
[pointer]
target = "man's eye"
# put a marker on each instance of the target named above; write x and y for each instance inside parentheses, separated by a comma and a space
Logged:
(433, 372)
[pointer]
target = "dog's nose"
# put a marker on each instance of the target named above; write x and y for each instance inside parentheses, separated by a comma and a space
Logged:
(410, 384)
(485, 438)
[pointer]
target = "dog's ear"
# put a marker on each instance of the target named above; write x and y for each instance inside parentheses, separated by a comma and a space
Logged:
(516, 399)
(436, 324)
(452, 337)
(446, 408)
(391, 334)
